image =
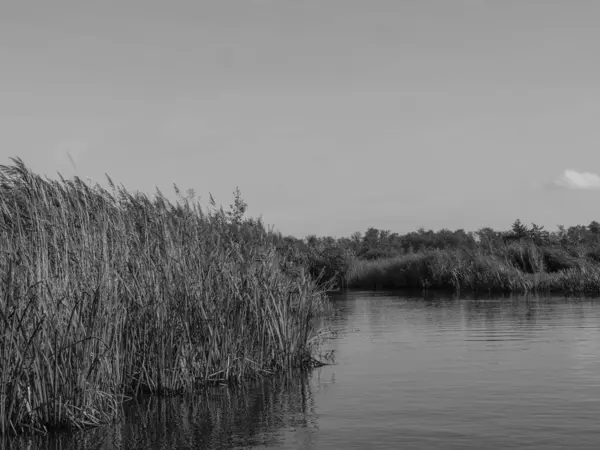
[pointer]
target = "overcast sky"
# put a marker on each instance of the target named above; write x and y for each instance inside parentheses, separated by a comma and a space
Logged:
(330, 115)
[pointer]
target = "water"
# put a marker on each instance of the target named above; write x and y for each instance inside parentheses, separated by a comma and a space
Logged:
(410, 373)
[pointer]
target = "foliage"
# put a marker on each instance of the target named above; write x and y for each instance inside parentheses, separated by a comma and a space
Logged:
(106, 294)
(513, 260)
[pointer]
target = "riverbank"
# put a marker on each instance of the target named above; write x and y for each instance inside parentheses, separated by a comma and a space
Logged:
(105, 294)
(456, 270)
(519, 260)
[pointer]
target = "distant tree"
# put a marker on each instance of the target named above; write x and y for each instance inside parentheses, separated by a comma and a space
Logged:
(384, 238)
(462, 239)
(238, 208)
(356, 241)
(538, 234)
(312, 240)
(519, 230)
(327, 242)
(577, 234)
(370, 240)
(488, 237)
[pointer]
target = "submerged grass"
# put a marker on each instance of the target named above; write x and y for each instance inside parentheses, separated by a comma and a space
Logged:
(106, 294)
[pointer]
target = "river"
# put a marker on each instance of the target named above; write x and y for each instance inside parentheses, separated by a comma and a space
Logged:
(411, 373)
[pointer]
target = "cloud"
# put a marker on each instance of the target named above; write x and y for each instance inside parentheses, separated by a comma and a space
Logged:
(571, 179)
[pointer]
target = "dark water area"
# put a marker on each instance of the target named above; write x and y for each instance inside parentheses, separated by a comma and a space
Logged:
(410, 373)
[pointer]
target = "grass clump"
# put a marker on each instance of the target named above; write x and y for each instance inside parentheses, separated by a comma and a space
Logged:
(105, 294)
(514, 269)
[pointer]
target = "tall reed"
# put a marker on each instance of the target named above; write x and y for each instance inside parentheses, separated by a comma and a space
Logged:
(108, 293)
(514, 269)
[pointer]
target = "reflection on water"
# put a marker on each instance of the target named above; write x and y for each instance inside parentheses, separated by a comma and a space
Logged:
(219, 417)
(410, 373)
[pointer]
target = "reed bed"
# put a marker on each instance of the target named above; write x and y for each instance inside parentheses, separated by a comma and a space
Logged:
(104, 294)
(515, 268)
(215, 417)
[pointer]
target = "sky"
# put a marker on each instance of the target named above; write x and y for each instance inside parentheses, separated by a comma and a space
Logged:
(331, 116)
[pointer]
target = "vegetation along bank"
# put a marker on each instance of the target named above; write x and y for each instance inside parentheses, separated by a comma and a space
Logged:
(108, 293)
(521, 259)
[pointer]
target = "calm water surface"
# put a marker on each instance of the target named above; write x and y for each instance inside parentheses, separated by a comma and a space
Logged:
(410, 373)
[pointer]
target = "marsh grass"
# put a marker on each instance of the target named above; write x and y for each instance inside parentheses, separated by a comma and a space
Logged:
(518, 267)
(105, 294)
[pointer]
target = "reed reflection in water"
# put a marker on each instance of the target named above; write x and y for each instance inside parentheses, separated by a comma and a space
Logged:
(270, 412)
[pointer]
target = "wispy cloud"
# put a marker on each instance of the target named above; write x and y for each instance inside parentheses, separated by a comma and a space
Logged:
(571, 179)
